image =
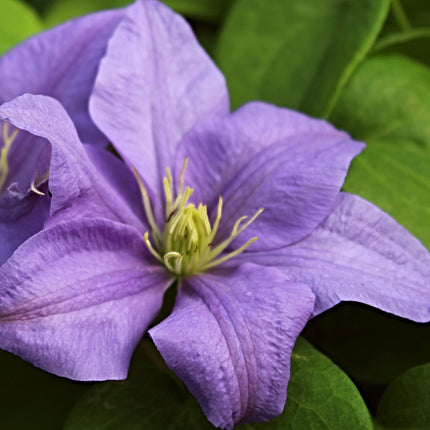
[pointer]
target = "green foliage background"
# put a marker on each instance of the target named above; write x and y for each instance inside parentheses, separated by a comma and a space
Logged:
(363, 65)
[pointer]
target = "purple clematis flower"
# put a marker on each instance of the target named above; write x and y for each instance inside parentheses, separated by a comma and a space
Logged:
(76, 298)
(61, 63)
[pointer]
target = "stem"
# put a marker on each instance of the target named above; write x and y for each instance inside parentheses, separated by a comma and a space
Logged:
(400, 15)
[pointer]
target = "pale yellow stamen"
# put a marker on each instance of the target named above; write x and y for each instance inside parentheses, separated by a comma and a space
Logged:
(185, 244)
(41, 181)
(7, 143)
(147, 206)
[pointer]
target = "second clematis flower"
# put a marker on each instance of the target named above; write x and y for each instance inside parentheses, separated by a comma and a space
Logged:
(61, 63)
(242, 210)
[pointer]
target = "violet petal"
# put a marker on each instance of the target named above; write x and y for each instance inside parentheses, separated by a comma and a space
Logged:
(77, 188)
(23, 157)
(230, 339)
(266, 157)
(119, 177)
(154, 84)
(361, 254)
(61, 63)
(75, 299)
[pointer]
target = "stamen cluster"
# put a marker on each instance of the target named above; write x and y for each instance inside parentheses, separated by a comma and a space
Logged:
(185, 245)
(8, 140)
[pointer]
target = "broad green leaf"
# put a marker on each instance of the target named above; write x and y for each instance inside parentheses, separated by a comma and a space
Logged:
(387, 99)
(296, 53)
(412, 43)
(405, 405)
(153, 398)
(31, 398)
(63, 10)
(17, 22)
(320, 396)
(397, 179)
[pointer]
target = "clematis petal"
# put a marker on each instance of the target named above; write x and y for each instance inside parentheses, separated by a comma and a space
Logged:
(119, 177)
(78, 188)
(75, 299)
(154, 84)
(61, 63)
(266, 157)
(359, 253)
(230, 340)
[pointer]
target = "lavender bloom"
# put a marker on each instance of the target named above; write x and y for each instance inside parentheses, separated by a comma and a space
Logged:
(61, 63)
(76, 298)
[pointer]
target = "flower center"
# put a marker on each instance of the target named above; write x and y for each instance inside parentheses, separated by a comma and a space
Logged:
(185, 245)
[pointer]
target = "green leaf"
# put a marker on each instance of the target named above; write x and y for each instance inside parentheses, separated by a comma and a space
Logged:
(397, 179)
(405, 405)
(320, 396)
(411, 43)
(153, 397)
(387, 99)
(296, 53)
(387, 104)
(17, 22)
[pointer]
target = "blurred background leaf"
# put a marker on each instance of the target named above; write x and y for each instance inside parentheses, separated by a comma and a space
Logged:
(397, 179)
(320, 396)
(406, 403)
(17, 22)
(393, 119)
(387, 100)
(297, 54)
